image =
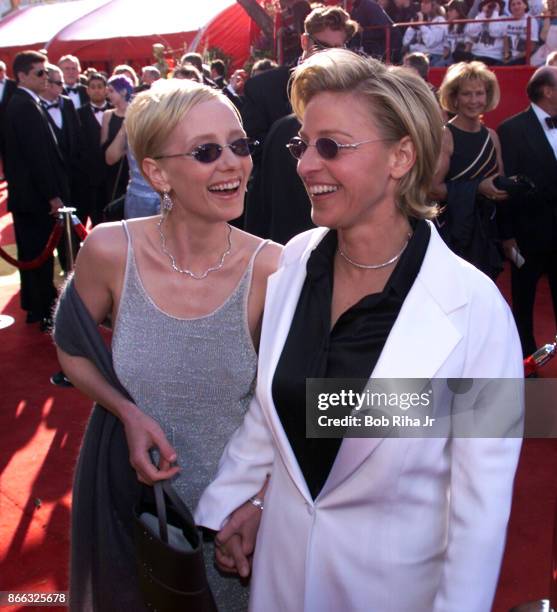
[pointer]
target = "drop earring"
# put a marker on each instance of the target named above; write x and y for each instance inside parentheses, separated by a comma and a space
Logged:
(166, 202)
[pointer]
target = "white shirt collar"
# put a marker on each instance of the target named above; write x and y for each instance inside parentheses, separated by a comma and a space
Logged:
(541, 115)
(31, 93)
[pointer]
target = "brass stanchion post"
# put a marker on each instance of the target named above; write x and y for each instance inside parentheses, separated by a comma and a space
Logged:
(65, 213)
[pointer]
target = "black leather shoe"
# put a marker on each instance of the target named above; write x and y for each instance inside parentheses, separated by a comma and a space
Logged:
(59, 379)
(33, 317)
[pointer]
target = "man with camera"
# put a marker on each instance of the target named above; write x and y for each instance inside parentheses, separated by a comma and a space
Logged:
(528, 222)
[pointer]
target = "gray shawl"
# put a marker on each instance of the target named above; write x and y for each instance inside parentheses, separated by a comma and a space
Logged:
(102, 571)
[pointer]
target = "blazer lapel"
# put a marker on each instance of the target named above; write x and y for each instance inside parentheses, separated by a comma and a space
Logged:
(283, 291)
(420, 341)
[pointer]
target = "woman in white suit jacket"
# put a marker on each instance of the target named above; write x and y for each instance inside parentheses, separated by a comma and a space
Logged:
(373, 524)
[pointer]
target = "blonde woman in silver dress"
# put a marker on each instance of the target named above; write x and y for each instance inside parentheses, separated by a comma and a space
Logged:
(185, 291)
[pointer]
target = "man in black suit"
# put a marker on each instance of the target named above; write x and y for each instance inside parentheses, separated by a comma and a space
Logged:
(7, 88)
(266, 101)
(91, 157)
(64, 121)
(37, 181)
(529, 223)
(70, 67)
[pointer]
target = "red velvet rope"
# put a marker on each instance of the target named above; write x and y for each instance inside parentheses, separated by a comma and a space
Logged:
(52, 243)
(79, 228)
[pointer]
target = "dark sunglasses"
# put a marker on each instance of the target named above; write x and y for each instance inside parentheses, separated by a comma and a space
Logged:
(53, 82)
(210, 152)
(326, 147)
(39, 73)
(322, 46)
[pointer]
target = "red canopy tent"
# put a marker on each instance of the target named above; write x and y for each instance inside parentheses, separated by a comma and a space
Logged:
(33, 26)
(125, 30)
(232, 31)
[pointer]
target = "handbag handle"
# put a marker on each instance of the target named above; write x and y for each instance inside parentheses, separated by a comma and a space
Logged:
(162, 488)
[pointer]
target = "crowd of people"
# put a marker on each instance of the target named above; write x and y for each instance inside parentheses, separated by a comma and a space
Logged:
(496, 32)
(384, 192)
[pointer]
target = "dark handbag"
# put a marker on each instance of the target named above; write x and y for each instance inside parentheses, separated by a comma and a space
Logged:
(169, 552)
(517, 186)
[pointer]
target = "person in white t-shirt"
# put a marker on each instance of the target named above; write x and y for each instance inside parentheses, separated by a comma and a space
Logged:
(517, 34)
(485, 38)
(427, 39)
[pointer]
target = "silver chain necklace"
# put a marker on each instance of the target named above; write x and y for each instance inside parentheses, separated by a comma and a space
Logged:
(187, 272)
(375, 266)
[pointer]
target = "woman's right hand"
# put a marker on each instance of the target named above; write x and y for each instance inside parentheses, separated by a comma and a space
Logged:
(488, 189)
(144, 433)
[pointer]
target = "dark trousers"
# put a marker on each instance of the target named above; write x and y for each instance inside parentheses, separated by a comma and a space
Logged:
(38, 293)
(524, 282)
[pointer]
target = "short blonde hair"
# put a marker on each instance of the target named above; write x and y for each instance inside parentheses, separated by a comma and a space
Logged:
(400, 104)
(154, 114)
(459, 73)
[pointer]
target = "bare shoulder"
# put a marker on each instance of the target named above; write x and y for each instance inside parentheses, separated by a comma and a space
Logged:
(267, 260)
(102, 257)
(268, 255)
(106, 242)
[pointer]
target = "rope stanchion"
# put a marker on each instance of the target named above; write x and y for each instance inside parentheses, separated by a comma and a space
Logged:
(53, 240)
(52, 243)
(79, 228)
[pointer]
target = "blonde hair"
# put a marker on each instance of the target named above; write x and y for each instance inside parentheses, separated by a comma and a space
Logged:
(400, 104)
(154, 114)
(457, 74)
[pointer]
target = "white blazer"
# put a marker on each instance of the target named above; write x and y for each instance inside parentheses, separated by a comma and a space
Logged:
(402, 524)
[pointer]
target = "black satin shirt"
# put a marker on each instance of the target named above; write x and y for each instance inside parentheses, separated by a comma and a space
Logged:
(350, 349)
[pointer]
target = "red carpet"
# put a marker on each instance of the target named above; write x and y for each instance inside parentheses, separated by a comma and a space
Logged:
(42, 425)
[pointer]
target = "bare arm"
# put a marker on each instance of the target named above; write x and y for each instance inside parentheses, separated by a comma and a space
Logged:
(104, 126)
(117, 148)
(487, 187)
(99, 268)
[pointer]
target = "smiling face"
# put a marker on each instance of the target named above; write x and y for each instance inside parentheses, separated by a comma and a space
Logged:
(212, 191)
(517, 8)
(471, 99)
(352, 187)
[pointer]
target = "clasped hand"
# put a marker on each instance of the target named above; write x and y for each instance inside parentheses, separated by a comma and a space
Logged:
(235, 542)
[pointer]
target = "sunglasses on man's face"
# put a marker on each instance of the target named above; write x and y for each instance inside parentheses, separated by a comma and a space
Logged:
(210, 152)
(40, 73)
(326, 147)
(323, 46)
(53, 82)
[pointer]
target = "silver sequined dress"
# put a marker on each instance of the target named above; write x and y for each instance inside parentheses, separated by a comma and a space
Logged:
(196, 378)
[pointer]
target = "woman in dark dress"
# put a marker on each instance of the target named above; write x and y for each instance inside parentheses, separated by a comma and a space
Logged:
(470, 160)
(120, 90)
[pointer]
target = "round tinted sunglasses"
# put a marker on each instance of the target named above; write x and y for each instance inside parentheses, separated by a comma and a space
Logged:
(210, 152)
(326, 147)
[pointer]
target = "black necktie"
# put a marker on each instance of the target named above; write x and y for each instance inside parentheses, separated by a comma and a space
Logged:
(98, 109)
(71, 89)
(48, 106)
(551, 122)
